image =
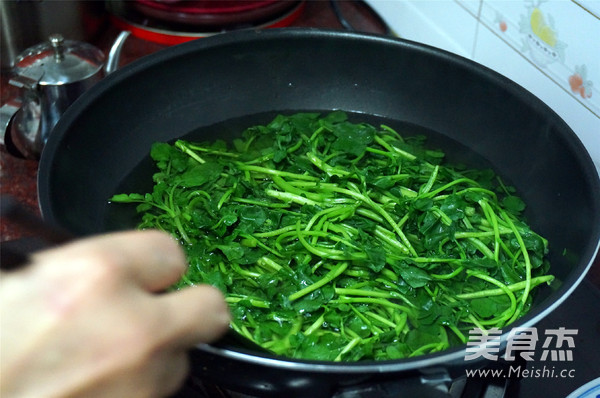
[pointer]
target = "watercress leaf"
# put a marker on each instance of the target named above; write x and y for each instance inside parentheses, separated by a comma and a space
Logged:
(142, 207)
(396, 351)
(436, 234)
(358, 326)
(334, 118)
(310, 302)
(385, 182)
(233, 251)
(162, 152)
(484, 307)
(376, 256)
(422, 204)
(454, 207)
(127, 198)
(216, 279)
(254, 214)
(413, 276)
(352, 138)
(508, 273)
(513, 204)
(415, 339)
(480, 263)
(199, 174)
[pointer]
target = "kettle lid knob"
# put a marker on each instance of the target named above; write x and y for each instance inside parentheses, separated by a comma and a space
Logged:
(57, 41)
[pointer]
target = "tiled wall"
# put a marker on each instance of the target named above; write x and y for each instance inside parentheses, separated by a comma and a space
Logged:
(550, 47)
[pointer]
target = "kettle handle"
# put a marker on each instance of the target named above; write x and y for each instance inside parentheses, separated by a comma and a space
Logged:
(29, 85)
(114, 55)
(7, 112)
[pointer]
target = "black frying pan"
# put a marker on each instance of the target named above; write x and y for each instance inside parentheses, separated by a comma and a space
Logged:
(101, 147)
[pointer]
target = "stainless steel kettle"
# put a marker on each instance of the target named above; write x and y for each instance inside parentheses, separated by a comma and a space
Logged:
(50, 77)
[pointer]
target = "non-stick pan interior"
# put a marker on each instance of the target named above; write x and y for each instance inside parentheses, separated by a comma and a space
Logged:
(102, 143)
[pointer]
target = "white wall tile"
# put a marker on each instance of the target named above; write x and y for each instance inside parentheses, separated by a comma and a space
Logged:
(521, 70)
(550, 47)
(472, 6)
(592, 6)
(444, 24)
(564, 41)
(553, 49)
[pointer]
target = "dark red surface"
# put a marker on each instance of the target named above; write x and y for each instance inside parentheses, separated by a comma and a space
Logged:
(18, 176)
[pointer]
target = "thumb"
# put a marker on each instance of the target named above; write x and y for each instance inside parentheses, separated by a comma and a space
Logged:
(197, 314)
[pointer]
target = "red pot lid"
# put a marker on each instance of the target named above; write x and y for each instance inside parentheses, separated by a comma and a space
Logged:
(213, 14)
(126, 17)
(205, 6)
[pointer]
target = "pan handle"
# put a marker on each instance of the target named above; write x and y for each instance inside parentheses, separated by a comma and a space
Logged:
(14, 255)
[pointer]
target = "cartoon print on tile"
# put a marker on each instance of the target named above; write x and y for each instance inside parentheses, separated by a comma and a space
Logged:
(579, 82)
(540, 38)
(501, 22)
(559, 40)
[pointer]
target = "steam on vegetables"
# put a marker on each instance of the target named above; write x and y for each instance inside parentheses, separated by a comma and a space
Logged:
(342, 241)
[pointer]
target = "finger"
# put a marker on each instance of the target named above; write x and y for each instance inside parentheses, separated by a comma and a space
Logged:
(171, 373)
(196, 314)
(151, 258)
(154, 259)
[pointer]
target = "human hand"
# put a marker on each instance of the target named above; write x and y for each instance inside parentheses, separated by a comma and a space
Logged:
(88, 320)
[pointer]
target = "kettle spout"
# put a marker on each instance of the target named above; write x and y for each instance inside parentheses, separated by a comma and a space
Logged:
(114, 55)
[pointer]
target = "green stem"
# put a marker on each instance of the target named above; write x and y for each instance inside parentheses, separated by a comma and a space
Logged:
(525, 256)
(513, 288)
(331, 275)
(183, 148)
(266, 170)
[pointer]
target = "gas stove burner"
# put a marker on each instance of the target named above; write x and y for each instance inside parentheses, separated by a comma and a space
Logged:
(403, 387)
(171, 22)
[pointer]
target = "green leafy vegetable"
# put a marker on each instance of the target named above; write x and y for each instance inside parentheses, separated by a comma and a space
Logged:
(340, 241)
